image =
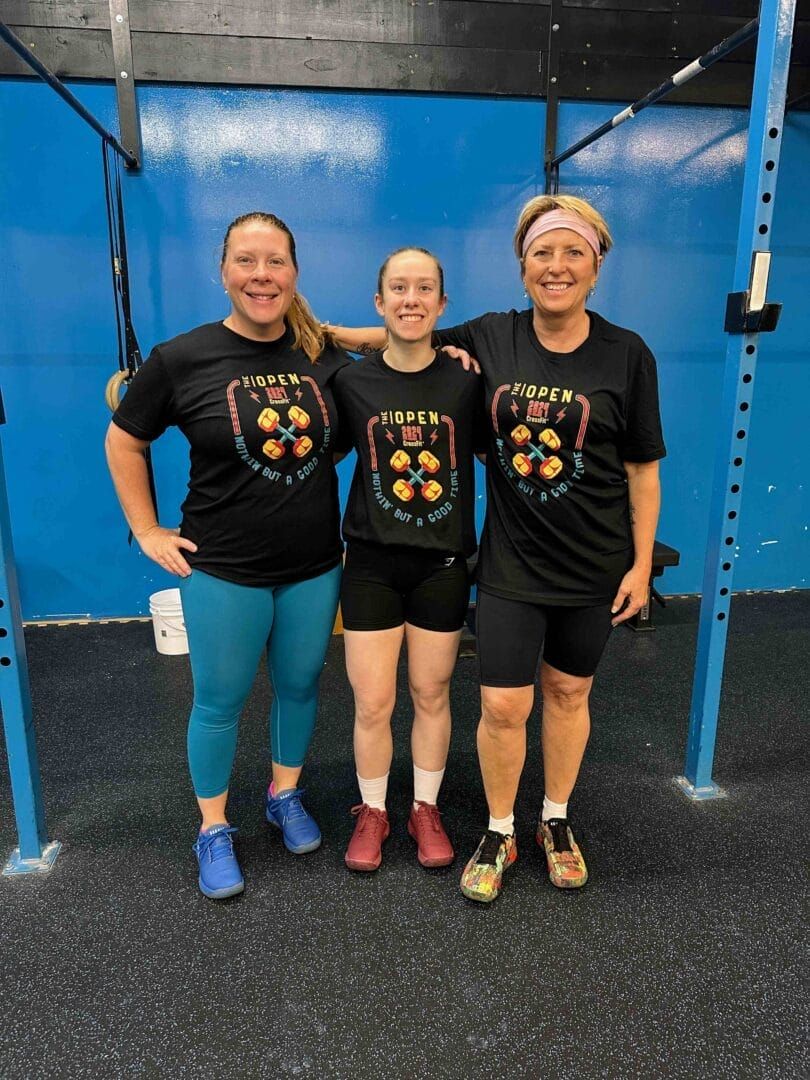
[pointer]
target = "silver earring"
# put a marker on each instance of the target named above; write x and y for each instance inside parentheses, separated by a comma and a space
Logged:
(525, 295)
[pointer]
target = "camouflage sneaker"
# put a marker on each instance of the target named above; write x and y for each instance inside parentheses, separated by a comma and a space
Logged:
(483, 874)
(566, 866)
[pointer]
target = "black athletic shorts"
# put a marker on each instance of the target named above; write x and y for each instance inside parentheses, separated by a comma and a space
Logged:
(386, 586)
(511, 635)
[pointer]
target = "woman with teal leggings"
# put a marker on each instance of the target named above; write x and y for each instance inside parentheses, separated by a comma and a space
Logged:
(258, 552)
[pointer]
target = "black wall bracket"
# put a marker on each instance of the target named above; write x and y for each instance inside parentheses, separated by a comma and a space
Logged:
(739, 320)
(128, 121)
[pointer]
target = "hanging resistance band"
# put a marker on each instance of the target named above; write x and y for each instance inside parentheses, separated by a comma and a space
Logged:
(129, 353)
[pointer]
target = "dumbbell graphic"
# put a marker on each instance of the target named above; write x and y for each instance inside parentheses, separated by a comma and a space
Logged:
(549, 466)
(270, 421)
(405, 489)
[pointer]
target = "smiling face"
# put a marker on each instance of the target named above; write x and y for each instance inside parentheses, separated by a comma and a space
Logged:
(559, 270)
(411, 300)
(260, 277)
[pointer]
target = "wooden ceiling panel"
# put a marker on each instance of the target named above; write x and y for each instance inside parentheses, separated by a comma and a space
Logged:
(609, 50)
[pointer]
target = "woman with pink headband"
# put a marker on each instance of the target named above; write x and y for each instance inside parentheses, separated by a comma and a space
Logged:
(572, 506)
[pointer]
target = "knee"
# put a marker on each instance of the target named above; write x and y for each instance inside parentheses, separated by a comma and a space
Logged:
(567, 693)
(430, 697)
(214, 716)
(373, 711)
(296, 685)
(504, 710)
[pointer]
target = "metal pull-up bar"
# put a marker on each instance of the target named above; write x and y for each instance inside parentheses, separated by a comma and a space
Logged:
(48, 76)
(745, 33)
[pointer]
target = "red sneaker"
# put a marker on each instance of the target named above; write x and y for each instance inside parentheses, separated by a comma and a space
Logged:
(365, 847)
(433, 848)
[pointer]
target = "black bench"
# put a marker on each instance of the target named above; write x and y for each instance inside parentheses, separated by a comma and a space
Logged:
(663, 556)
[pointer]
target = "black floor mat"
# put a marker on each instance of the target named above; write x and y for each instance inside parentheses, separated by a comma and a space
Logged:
(683, 956)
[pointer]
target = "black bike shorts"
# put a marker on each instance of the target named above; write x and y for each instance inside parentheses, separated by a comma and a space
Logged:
(386, 586)
(511, 635)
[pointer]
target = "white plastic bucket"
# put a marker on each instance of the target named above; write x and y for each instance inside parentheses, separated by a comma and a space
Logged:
(167, 622)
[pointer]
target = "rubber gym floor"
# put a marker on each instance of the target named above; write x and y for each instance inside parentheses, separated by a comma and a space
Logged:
(684, 955)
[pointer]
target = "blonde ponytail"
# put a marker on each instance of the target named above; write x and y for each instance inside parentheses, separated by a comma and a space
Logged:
(308, 334)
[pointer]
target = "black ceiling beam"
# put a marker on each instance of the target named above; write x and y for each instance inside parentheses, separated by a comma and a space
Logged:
(613, 50)
(460, 23)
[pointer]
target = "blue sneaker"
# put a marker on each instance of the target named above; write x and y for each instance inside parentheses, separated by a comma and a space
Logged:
(298, 830)
(220, 875)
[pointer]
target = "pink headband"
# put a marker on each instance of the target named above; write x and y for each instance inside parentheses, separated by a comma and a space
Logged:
(561, 219)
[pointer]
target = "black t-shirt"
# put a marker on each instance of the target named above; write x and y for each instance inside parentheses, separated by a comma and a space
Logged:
(415, 435)
(262, 502)
(557, 528)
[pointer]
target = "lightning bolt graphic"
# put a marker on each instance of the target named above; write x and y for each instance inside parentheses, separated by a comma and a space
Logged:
(434, 437)
(390, 436)
(514, 407)
(255, 396)
(299, 393)
(560, 415)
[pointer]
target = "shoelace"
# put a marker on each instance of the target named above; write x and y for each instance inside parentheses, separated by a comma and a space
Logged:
(490, 848)
(209, 848)
(370, 817)
(291, 805)
(432, 813)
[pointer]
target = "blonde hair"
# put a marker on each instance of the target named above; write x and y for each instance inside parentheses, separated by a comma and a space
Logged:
(308, 334)
(542, 204)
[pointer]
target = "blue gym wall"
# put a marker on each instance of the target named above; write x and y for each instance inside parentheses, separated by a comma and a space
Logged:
(356, 175)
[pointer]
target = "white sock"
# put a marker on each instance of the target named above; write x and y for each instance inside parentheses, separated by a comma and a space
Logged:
(553, 809)
(426, 785)
(373, 792)
(503, 825)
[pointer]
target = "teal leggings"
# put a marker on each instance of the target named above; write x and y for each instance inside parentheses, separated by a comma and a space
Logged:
(228, 626)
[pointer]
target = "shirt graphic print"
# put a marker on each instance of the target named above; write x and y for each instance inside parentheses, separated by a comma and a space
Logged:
(281, 425)
(540, 434)
(412, 476)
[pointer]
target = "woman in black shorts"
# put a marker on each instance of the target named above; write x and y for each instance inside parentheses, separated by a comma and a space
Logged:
(416, 418)
(572, 506)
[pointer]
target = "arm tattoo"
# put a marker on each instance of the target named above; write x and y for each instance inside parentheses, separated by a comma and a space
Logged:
(364, 348)
(632, 514)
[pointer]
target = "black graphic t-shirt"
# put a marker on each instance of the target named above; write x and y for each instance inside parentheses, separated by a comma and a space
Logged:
(557, 528)
(262, 504)
(415, 435)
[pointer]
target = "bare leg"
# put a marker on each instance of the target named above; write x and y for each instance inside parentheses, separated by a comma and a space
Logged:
(285, 777)
(213, 811)
(371, 664)
(502, 743)
(566, 728)
(431, 659)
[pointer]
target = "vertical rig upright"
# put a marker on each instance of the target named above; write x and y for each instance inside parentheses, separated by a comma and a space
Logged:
(34, 853)
(747, 315)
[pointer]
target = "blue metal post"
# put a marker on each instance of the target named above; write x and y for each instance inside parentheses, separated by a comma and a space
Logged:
(34, 853)
(759, 186)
